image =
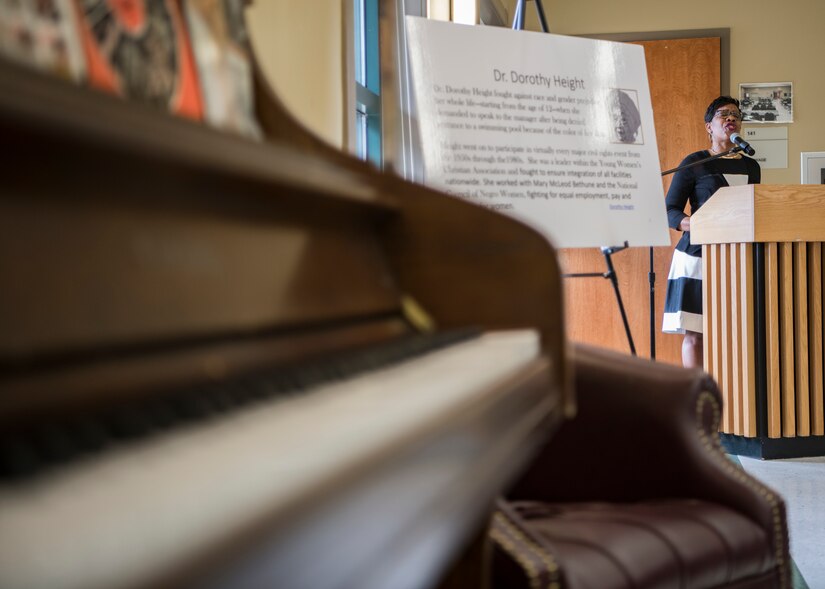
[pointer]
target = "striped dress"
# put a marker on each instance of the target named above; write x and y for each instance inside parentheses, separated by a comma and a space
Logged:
(683, 301)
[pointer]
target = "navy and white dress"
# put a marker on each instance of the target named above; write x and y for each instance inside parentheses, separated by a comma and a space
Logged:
(683, 301)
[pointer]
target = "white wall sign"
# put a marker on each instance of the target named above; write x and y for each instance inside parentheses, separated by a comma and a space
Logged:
(556, 131)
(813, 167)
(771, 145)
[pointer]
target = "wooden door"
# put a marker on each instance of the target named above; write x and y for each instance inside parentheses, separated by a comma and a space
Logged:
(684, 76)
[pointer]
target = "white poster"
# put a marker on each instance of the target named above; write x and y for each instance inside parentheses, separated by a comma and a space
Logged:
(556, 131)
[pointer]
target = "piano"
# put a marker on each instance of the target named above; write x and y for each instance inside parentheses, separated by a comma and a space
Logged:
(238, 363)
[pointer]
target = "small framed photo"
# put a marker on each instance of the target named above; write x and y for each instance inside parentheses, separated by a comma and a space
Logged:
(813, 167)
(767, 102)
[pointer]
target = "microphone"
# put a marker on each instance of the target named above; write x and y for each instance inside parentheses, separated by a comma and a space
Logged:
(742, 144)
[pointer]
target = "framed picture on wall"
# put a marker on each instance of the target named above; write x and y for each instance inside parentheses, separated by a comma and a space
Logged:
(813, 167)
(766, 102)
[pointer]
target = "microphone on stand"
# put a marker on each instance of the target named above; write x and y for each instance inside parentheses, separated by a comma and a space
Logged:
(742, 144)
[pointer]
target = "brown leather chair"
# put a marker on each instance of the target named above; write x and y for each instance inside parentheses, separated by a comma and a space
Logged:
(636, 492)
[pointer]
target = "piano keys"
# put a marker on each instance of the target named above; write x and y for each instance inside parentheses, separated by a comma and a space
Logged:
(138, 511)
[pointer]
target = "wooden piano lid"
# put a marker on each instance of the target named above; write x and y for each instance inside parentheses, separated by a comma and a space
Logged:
(183, 223)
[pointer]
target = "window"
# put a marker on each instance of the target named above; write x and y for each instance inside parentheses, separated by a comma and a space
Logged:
(367, 82)
(392, 142)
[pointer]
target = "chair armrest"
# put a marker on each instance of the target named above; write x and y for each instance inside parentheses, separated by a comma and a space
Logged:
(645, 431)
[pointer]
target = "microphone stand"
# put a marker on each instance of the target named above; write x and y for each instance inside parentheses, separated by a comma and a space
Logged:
(732, 150)
(651, 275)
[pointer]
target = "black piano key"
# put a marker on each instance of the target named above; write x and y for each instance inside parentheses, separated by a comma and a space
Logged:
(89, 435)
(161, 413)
(130, 423)
(53, 443)
(58, 443)
(191, 406)
(222, 397)
(18, 458)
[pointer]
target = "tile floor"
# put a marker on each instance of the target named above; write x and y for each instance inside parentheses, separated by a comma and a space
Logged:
(801, 481)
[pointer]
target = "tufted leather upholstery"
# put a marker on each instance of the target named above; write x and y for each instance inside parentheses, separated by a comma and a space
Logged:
(635, 492)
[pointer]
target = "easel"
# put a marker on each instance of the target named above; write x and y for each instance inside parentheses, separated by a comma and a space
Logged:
(607, 252)
(611, 275)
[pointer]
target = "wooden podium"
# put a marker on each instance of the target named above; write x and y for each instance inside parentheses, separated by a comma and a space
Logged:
(762, 307)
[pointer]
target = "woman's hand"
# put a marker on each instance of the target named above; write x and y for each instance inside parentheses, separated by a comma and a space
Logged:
(684, 225)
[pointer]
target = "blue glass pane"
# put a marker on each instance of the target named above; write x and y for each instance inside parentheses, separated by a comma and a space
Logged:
(374, 139)
(373, 81)
(361, 135)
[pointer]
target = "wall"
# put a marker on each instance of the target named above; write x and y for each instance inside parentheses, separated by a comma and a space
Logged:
(770, 42)
(299, 46)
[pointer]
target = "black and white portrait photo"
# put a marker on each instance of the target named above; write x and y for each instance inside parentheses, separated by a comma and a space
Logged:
(625, 120)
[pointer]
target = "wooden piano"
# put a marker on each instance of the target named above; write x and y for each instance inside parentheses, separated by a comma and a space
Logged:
(230, 363)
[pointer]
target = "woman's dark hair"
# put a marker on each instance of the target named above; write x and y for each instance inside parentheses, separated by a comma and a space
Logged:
(714, 106)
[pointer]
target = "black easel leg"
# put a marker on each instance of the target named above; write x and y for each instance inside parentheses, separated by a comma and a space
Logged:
(611, 274)
(542, 20)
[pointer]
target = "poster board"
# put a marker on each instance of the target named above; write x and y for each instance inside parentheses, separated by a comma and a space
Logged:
(556, 131)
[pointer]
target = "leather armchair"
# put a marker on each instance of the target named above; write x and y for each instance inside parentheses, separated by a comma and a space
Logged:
(636, 492)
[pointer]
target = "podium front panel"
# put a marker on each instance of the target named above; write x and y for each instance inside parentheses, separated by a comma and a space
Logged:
(763, 307)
